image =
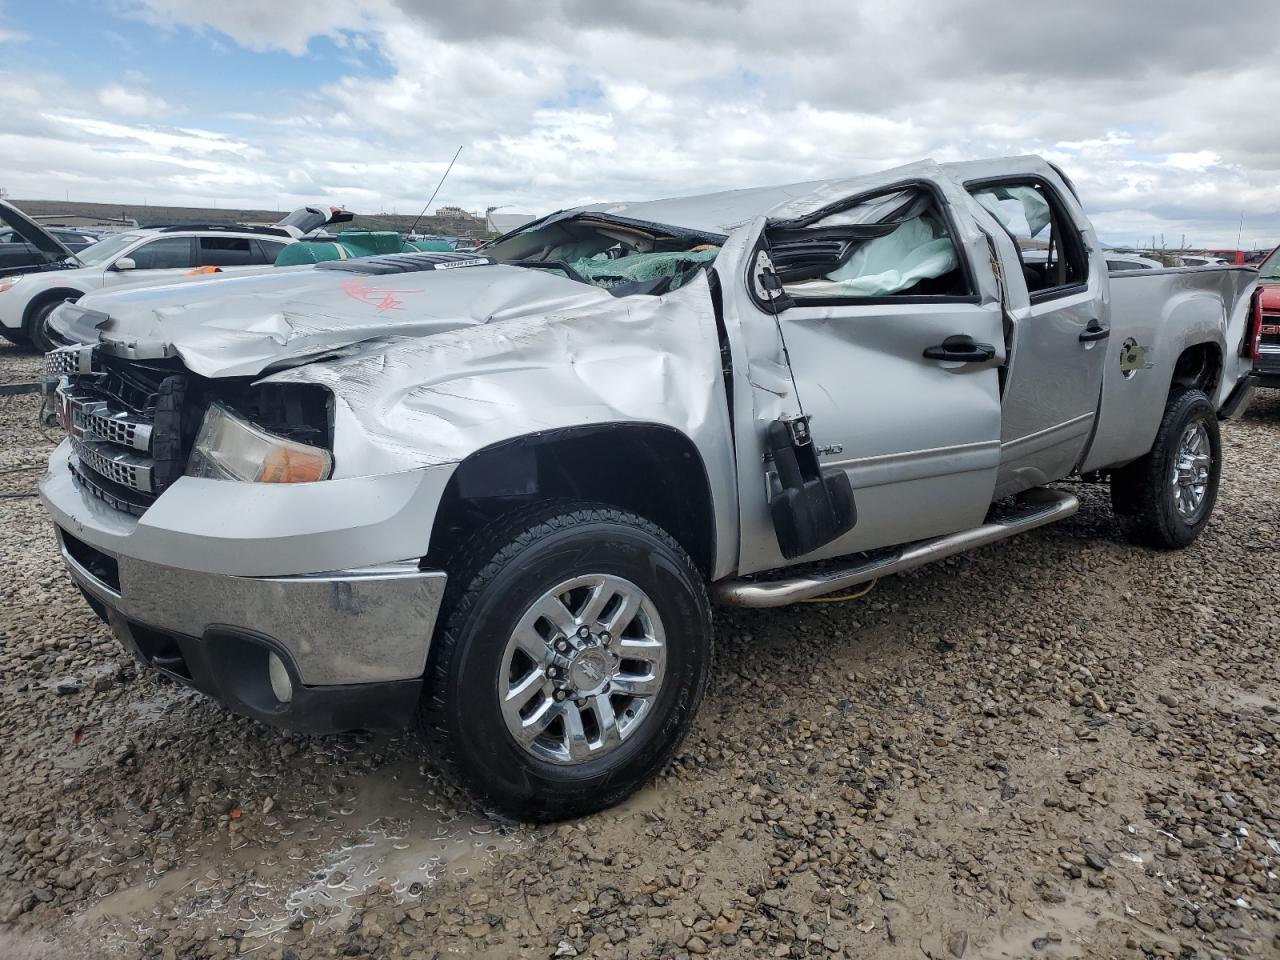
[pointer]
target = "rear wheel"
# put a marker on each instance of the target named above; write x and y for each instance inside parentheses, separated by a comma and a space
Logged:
(573, 657)
(1165, 499)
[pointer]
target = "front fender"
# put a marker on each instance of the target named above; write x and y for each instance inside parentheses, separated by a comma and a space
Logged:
(424, 402)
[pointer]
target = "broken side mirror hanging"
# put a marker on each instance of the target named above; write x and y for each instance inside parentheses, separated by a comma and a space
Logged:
(815, 505)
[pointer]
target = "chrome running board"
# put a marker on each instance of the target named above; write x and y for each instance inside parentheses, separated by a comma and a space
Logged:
(1035, 508)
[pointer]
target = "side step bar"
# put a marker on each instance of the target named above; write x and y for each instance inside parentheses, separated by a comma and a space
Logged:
(1035, 508)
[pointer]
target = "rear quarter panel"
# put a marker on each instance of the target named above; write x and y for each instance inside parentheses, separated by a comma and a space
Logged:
(1155, 316)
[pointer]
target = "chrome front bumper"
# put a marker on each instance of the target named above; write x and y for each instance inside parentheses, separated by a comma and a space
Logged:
(367, 625)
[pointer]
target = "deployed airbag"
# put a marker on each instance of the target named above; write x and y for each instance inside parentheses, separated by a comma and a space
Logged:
(915, 251)
(1035, 208)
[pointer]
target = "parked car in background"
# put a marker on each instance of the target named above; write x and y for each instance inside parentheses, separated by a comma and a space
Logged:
(1267, 365)
(465, 243)
(152, 255)
(1200, 260)
(26, 246)
(1118, 262)
(1233, 257)
(498, 490)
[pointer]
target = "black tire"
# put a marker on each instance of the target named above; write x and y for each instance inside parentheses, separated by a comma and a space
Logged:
(504, 570)
(15, 337)
(35, 327)
(1142, 493)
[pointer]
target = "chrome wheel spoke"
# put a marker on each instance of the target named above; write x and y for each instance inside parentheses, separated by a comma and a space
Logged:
(568, 702)
(600, 596)
(606, 721)
(552, 609)
(626, 612)
(575, 735)
(645, 686)
(536, 724)
(523, 690)
(533, 646)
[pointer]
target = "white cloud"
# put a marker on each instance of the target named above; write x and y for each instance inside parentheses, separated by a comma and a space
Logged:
(1158, 119)
(131, 102)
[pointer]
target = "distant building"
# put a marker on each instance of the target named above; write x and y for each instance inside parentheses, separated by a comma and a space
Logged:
(455, 213)
(506, 222)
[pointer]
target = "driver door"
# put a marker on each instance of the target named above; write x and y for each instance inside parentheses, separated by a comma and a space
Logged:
(876, 316)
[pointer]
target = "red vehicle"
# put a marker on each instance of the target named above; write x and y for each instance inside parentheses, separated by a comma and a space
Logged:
(1234, 257)
(1267, 364)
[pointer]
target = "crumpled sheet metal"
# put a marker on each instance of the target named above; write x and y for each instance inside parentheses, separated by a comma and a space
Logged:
(238, 326)
(435, 400)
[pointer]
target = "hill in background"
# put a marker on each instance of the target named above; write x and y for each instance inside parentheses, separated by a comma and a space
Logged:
(457, 225)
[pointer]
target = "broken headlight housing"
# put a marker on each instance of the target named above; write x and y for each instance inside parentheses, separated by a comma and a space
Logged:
(230, 448)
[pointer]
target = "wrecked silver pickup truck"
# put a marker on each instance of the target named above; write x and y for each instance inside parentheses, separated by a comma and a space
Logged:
(498, 491)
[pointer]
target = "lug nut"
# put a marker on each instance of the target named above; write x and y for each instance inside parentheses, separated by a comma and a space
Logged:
(553, 672)
(606, 637)
(562, 644)
(584, 631)
(560, 695)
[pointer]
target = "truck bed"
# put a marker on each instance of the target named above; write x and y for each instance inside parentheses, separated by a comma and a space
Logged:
(1154, 314)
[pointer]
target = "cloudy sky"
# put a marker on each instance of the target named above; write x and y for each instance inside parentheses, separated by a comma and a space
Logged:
(1163, 112)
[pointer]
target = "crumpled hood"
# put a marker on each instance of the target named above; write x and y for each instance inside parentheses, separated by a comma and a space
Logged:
(240, 326)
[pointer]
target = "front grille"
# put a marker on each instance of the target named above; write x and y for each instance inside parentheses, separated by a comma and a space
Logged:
(126, 469)
(125, 424)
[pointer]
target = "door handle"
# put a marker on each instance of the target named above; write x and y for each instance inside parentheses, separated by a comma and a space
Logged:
(1094, 331)
(960, 349)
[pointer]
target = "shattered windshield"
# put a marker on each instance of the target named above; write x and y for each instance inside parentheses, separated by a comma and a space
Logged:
(1270, 268)
(623, 256)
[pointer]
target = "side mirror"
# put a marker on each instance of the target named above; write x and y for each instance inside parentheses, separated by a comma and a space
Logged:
(124, 263)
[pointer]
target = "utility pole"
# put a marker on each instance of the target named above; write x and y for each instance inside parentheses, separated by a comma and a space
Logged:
(1240, 230)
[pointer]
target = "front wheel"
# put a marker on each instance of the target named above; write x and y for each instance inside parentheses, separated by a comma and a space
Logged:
(37, 329)
(1165, 499)
(574, 655)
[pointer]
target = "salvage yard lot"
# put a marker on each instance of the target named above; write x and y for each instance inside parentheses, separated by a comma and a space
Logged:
(1061, 745)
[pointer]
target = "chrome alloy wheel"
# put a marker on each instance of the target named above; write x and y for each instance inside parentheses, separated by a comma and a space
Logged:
(1189, 475)
(582, 669)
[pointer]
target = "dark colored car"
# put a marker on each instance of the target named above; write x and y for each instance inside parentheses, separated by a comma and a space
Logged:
(28, 247)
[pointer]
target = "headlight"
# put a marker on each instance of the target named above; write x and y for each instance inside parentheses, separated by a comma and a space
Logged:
(8, 283)
(228, 448)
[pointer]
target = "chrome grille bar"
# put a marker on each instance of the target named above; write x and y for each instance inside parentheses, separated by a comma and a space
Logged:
(66, 361)
(118, 466)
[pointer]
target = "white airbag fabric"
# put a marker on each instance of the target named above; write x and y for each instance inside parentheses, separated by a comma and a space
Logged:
(1035, 208)
(887, 265)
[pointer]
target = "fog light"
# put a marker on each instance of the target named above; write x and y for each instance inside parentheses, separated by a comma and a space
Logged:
(281, 685)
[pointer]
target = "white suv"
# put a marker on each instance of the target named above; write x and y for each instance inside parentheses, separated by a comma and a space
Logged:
(145, 256)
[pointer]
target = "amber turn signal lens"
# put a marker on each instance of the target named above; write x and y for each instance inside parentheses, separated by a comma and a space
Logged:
(291, 465)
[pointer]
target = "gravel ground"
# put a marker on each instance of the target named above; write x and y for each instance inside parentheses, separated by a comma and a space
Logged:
(1059, 746)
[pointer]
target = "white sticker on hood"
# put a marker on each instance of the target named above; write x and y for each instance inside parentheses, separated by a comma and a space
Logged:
(450, 264)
